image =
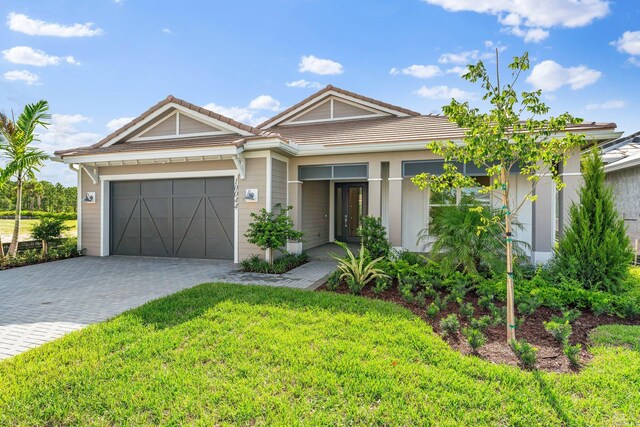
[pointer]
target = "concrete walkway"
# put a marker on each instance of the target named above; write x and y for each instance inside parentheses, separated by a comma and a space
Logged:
(40, 303)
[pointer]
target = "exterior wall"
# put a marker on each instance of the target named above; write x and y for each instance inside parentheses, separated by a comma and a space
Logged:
(315, 213)
(278, 182)
(625, 184)
(90, 222)
(255, 177)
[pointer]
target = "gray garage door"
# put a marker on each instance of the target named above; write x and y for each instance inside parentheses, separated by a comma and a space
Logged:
(189, 218)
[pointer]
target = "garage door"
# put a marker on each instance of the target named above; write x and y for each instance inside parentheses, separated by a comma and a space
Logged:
(190, 218)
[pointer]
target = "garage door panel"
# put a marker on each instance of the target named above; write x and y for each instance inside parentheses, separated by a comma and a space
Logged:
(191, 218)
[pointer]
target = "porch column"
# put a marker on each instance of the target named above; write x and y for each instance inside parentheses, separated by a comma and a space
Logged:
(294, 188)
(375, 185)
(544, 220)
(572, 178)
(395, 203)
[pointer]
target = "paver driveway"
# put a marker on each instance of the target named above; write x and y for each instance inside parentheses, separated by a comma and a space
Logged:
(42, 302)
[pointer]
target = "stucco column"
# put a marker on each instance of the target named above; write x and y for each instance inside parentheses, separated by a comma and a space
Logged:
(294, 189)
(395, 203)
(375, 185)
(572, 178)
(544, 217)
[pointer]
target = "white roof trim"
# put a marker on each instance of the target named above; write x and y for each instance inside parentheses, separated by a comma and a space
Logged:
(343, 97)
(194, 115)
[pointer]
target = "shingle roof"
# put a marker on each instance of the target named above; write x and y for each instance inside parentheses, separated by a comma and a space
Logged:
(387, 130)
(164, 144)
(330, 88)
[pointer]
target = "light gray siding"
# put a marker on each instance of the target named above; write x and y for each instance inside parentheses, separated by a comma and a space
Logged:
(90, 217)
(321, 112)
(342, 109)
(167, 127)
(255, 178)
(626, 189)
(315, 213)
(189, 125)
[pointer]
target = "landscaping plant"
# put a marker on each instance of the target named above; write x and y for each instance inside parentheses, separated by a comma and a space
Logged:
(475, 338)
(374, 237)
(573, 353)
(450, 325)
(271, 231)
(595, 249)
(357, 271)
(21, 160)
(559, 330)
(47, 229)
(525, 352)
(505, 145)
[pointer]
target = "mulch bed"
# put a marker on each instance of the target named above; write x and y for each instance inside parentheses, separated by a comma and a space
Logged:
(496, 350)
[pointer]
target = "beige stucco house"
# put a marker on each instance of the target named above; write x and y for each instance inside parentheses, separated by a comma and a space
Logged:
(182, 181)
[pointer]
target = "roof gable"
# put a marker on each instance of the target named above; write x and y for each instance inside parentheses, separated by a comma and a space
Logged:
(334, 104)
(180, 117)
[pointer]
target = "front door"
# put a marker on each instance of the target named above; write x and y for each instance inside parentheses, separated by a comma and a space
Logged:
(351, 206)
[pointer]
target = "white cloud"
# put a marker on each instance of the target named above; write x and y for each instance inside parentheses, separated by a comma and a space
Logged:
(304, 84)
(116, 124)
(444, 92)
(419, 71)
(607, 105)
(629, 43)
(534, 15)
(166, 30)
(29, 56)
(464, 58)
(549, 75)
(35, 27)
(313, 64)
(264, 102)
(242, 114)
(22, 75)
(458, 70)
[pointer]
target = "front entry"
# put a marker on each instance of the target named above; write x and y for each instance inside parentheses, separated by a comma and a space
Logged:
(351, 206)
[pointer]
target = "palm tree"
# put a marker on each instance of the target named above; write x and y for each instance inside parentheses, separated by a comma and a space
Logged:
(21, 159)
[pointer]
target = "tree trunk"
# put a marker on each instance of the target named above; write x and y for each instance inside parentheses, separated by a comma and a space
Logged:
(13, 248)
(269, 256)
(1, 249)
(511, 324)
(45, 248)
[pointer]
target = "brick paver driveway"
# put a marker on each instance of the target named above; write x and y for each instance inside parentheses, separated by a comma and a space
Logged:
(42, 302)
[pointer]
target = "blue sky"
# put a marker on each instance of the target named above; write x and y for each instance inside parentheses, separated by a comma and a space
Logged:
(99, 62)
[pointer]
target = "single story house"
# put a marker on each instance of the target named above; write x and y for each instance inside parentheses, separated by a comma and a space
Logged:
(622, 166)
(182, 181)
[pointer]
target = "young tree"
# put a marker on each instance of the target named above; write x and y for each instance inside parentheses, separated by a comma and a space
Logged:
(504, 144)
(21, 159)
(47, 229)
(271, 231)
(595, 249)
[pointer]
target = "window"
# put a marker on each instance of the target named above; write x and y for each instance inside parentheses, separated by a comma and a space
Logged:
(438, 201)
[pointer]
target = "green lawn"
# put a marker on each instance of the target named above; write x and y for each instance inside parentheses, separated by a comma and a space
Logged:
(225, 354)
(617, 335)
(6, 229)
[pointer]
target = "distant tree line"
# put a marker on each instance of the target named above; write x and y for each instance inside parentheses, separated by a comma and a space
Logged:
(39, 196)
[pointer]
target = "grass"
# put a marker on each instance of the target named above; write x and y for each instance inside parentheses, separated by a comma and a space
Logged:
(6, 229)
(222, 354)
(617, 335)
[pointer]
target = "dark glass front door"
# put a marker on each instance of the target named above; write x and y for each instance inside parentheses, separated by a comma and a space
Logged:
(351, 206)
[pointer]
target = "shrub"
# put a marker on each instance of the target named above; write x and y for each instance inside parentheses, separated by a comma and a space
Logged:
(255, 264)
(374, 237)
(573, 353)
(459, 244)
(475, 338)
(595, 249)
(450, 325)
(467, 310)
(525, 352)
(486, 301)
(481, 324)
(529, 304)
(498, 315)
(47, 229)
(382, 283)
(271, 231)
(559, 330)
(357, 271)
(433, 310)
(333, 281)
